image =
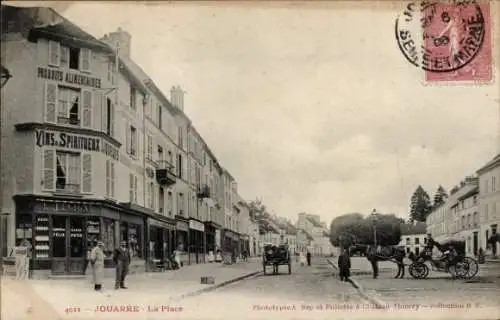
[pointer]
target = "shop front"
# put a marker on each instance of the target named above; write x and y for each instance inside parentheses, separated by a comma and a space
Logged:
(62, 230)
(160, 235)
(182, 238)
(211, 236)
(197, 241)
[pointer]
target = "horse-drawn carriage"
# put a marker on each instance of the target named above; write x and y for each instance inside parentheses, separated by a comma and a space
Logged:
(453, 261)
(276, 256)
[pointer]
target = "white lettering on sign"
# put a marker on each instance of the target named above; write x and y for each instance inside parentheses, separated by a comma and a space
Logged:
(61, 76)
(196, 225)
(69, 141)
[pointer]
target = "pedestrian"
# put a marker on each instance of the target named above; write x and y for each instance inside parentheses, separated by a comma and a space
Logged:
(480, 257)
(87, 260)
(344, 264)
(302, 259)
(122, 260)
(97, 262)
(308, 256)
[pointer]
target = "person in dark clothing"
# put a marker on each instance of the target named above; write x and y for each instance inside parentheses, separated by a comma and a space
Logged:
(308, 256)
(344, 264)
(122, 260)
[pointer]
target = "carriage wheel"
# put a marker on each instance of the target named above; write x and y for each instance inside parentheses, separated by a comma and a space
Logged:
(466, 268)
(418, 270)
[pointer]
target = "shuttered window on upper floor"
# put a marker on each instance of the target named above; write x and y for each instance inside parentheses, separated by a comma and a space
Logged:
(66, 172)
(69, 57)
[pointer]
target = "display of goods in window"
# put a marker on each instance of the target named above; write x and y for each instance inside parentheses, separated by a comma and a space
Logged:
(42, 238)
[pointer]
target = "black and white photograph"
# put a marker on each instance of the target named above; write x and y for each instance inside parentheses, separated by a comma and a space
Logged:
(250, 159)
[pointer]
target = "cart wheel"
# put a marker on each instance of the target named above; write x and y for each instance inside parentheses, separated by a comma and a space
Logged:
(466, 268)
(473, 267)
(418, 270)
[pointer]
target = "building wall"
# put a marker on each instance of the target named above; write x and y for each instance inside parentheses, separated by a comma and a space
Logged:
(489, 202)
(413, 241)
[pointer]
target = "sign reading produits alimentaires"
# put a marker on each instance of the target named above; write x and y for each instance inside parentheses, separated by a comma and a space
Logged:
(68, 77)
(74, 142)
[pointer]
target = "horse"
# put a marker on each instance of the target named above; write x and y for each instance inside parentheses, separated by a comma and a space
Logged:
(395, 254)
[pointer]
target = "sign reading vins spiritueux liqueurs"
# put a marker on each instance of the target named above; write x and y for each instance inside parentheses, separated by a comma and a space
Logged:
(68, 77)
(75, 142)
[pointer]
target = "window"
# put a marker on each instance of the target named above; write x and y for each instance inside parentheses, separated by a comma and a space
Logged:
(131, 138)
(68, 172)
(109, 117)
(68, 111)
(493, 184)
(425, 240)
(110, 178)
(180, 204)
(170, 203)
(160, 153)
(111, 71)
(133, 98)
(133, 188)
(179, 165)
(417, 240)
(149, 153)
(180, 140)
(408, 241)
(131, 233)
(159, 115)
(161, 200)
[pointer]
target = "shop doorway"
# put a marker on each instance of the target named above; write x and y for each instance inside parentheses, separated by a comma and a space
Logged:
(68, 246)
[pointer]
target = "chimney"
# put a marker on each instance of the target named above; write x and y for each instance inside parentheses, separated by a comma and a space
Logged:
(177, 97)
(119, 40)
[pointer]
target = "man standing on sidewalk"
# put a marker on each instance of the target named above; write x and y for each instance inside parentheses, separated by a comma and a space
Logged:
(308, 256)
(344, 263)
(122, 261)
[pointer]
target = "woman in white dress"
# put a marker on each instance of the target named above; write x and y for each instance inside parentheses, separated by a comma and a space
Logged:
(302, 259)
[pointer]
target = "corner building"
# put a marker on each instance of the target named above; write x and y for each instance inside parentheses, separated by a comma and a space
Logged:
(73, 148)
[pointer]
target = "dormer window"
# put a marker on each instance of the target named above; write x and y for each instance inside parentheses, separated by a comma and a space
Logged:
(69, 57)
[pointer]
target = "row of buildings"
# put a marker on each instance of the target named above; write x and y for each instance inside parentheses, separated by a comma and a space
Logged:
(471, 212)
(92, 149)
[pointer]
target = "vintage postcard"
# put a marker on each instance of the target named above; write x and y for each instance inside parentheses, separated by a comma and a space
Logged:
(250, 160)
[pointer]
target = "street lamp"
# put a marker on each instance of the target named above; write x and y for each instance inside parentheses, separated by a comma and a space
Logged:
(374, 217)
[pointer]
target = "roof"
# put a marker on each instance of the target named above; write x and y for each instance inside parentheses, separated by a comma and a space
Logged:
(314, 222)
(412, 229)
(469, 193)
(493, 163)
(308, 236)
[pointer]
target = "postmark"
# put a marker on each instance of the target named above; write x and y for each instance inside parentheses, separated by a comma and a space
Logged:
(448, 40)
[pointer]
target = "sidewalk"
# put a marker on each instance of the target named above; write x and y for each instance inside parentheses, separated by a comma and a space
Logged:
(76, 299)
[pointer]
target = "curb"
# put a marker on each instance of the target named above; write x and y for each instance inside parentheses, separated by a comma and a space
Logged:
(377, 302)
(217, 286)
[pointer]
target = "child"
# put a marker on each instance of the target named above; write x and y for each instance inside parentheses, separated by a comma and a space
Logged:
(344, 264)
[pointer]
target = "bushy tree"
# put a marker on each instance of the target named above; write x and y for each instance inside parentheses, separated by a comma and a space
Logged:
(420, 205)
(439, 197)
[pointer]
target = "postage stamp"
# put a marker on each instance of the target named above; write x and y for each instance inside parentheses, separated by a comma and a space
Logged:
(450, 41)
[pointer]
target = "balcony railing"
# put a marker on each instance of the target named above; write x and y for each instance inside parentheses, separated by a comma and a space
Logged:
(71, 120)
(165, 173)
(203, 192)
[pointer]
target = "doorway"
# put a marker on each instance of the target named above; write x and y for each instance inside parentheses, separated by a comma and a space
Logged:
(68, 246)
(475, 243)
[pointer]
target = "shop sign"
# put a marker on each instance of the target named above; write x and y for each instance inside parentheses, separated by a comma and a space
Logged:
(73, 207)
(68, 141)
(68, 77)
(196, 225)
(182, 226)
(161, 224)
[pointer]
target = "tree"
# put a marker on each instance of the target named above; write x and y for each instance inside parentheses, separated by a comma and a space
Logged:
(353, 228)
(420, 205)
(439, 197)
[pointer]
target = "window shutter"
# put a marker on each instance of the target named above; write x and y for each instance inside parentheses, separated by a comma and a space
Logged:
(87, 173)
(86, 108)
(135, 188)
(112, 119)
(108, 178)
(50, 101)
(113, 178)
(85, 59)
(54, 53)
(101, 106)
(131, 187)
(128, 137)
(49, 170)
(64, 57)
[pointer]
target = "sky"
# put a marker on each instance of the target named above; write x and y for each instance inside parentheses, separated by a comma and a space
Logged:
(311, 108)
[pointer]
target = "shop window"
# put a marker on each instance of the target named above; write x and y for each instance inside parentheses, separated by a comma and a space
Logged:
(76, 245)
(68, 172)
(59, 236)
(42, 242)
(131, 233)
(24, 229)
(108, 236)
(93, 231)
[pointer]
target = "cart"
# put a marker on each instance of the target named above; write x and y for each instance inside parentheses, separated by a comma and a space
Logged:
(275, 256)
